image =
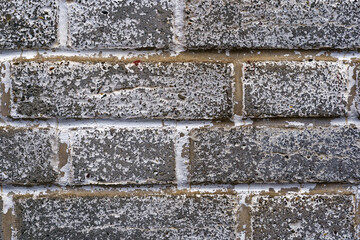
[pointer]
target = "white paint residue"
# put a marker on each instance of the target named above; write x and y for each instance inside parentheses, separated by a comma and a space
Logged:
(64, 137)
(181, 153)
(344, 56)
(240, 121)
(297, 124)
(63, 27)
(352, 114)
(178, 27)
(339, 122)
(320, 53)
(6, 79)
(8, 203)
(181, 143)
(9, 191)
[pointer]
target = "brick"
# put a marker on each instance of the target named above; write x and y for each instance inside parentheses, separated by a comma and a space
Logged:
(136, 217)
(357, 91)
(140, 90)
(275, 154)
(295, 89)
(268, 24)
(121, 24)
(123, 155)
(27, 155)
(303, 217)
(1, 220)
(28, 24)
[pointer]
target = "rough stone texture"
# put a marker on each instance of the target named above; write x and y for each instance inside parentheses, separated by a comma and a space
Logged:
(289, 24)
(124, 155)
(357, 93)
(295, 89)
(303, 217)
(26, 155)
(137, 217)
(269, 154)
(28, 24)
(121, 24)
(1, 220)
(136, 90)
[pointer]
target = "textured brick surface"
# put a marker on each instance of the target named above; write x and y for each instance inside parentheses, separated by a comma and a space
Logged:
(272, 24)
(124, 155)
(141, 90)
(26, 155)
(303, 217)
(28, 24)
(142, 217)
(121, 24)
(1, 220)
(268, 154)
(305, 89)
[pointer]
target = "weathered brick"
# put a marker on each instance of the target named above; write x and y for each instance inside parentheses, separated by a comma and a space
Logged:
(357, 93)
(28, 24)
(136, 217)
(286, 24)
(140, 90)
(1, 220)
(121, 24)
(295, 89)
(123, 155)
(27, 155)
(303, 217)
(275, 154)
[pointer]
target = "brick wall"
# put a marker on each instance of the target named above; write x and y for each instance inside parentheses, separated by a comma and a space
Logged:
(180, 119)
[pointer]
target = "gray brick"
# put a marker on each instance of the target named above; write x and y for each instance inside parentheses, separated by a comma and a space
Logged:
(121, 24)
(1, 220)
(289, 24)
(274, 154)
(136, 217)
(27, 155)
(140, 90)
(303, 217)
(357, 93)
(123, 155)
(28, 24)
(295, 89)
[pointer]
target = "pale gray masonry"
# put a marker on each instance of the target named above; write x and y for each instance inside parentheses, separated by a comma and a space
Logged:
(136, 217)
(1, 220)
(28, 24)
(134, 90)
(303, 217)
(288, 24)
(136, 156)
(121, 24)
(26, 155)
(275, 154)
(295, 89)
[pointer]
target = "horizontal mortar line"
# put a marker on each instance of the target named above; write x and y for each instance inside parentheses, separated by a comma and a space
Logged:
(189, 55)
(72, 123)
(211, 188)
(167, 123)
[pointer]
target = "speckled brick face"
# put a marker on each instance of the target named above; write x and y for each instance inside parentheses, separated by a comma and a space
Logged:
(140, 90)
(295, 89)
(121, 24)
(28, 24)
(290, 24)
(135, 156)
(27, 156)
(303, 217)
(137, 217)
(270, 154)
